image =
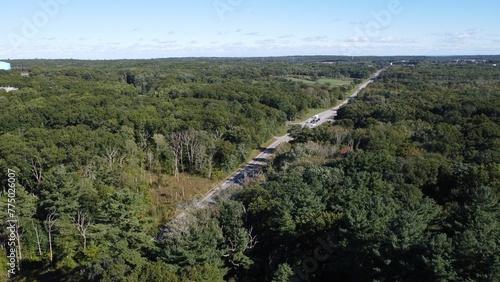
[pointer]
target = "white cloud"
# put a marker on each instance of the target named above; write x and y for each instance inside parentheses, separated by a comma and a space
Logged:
(265, 41)
(254, 33)
(457, 37)
(167, 42)
(315, 38)
(359, 23)
(380, 39)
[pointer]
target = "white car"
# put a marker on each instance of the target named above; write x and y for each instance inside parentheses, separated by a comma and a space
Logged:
(314, 120)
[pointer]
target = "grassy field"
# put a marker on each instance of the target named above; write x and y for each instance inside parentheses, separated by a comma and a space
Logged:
(282, 130)
(334, 82)
(170, 192)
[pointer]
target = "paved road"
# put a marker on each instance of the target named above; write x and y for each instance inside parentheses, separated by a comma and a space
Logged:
(248, 171)
(253, 167)
(332, 113)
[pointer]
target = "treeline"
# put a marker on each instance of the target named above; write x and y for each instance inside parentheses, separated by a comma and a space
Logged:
(90, 140)
(403, 186)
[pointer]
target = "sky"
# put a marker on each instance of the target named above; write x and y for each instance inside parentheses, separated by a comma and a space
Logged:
(133, 29)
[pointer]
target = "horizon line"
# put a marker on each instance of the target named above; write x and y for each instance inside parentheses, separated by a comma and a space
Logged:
(250, 57)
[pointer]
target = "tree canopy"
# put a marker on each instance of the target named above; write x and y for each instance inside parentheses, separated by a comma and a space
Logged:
(402, 186)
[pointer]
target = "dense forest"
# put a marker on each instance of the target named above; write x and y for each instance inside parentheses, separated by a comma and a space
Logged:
(103, 152)
(402, 186)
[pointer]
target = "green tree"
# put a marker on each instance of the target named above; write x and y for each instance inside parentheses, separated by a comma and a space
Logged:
(283, 273)
(476, 243)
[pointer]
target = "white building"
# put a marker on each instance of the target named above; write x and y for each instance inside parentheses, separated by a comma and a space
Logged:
(4, 66)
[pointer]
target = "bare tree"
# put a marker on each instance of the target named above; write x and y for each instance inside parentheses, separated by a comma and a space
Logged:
(49, 223)
(200, 156)
(37, 168)
(210, 158)
(340, 135)
(204, 160)
(251, 240)
(191, 145)
(143, 143)
(37, 238)
(150, 159)
(111, 153)
(89, 170)
(160, 141)
(18, 253)
(218, 134)
(243, 246)
(82, 224)
(177, 149)
(192, 141)
(350, 143)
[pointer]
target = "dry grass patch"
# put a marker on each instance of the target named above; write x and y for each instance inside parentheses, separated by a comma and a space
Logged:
(168, 193)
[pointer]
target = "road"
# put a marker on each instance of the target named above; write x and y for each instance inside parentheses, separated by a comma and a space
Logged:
(332, 113)
(238, 178)
(248, 171)
(253, 167)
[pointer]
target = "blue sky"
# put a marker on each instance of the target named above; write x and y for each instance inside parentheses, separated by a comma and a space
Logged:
(114, 29)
